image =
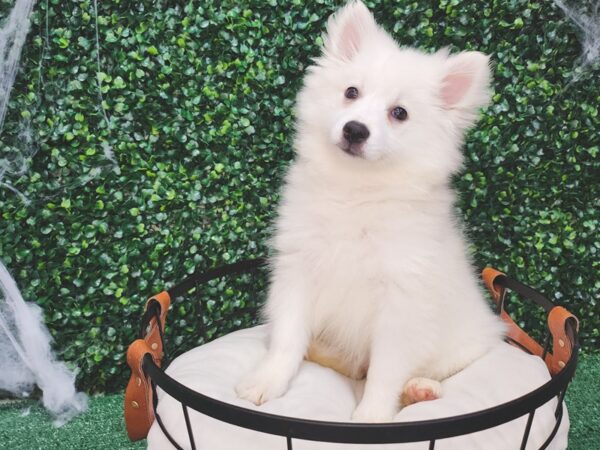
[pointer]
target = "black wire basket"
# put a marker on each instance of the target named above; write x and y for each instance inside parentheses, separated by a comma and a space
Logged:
(145, 355)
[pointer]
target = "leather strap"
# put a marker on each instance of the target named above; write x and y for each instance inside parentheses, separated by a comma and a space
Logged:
(139, 410)
(490, 274)
(152, 336)
(562, 345)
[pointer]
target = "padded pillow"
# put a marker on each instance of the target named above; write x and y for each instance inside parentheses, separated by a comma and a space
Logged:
(319, 393)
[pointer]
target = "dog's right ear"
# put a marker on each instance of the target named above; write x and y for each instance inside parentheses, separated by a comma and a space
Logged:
(347, 30)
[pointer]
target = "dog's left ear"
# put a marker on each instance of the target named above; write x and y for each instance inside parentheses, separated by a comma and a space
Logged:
(347, 30)
(465, 85)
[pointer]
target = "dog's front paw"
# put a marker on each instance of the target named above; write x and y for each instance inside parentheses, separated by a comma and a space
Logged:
(262, 385)
(374, 413)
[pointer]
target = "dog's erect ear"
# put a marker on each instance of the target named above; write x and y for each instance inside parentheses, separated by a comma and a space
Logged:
(347, 29)
(465, 85)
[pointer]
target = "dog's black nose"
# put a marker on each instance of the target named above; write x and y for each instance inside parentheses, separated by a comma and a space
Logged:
(355, 132)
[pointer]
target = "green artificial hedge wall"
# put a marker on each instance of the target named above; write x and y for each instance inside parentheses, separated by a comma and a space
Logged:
(167, 153)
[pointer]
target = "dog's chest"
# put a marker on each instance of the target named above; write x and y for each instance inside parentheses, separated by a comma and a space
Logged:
(363, 242)
(350, 252)
(350, 256)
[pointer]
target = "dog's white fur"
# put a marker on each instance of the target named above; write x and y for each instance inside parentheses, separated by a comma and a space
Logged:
(369, 258)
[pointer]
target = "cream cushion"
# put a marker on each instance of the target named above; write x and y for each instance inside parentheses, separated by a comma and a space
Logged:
(318, 393)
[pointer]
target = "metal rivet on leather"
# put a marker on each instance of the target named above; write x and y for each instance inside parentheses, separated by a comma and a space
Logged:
(561, 342)
(561, 364)
(154, 346)
(135, 404)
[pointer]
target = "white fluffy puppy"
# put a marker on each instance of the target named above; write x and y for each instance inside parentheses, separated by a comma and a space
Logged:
(370, 266)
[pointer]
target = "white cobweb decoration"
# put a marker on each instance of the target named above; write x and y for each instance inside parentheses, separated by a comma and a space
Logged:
(586, 16)
(27, 359)
(12, 38)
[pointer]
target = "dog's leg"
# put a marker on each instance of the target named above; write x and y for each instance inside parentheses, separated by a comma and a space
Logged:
(286, 309)
(394, 356)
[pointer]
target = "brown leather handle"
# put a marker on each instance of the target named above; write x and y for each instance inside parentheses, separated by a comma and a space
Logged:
(139, 411)
(152, 332)
(489, 275)
(562, 345)
(513, 331)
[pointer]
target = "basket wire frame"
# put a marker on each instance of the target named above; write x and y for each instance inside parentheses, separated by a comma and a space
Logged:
(396, 432)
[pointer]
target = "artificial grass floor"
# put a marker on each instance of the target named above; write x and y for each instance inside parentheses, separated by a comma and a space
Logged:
(25, 425)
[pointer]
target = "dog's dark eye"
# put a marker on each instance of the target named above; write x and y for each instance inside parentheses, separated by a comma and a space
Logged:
(399, 113)
(351, 93)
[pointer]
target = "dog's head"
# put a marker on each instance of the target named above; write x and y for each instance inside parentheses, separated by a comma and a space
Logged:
(367, 102)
